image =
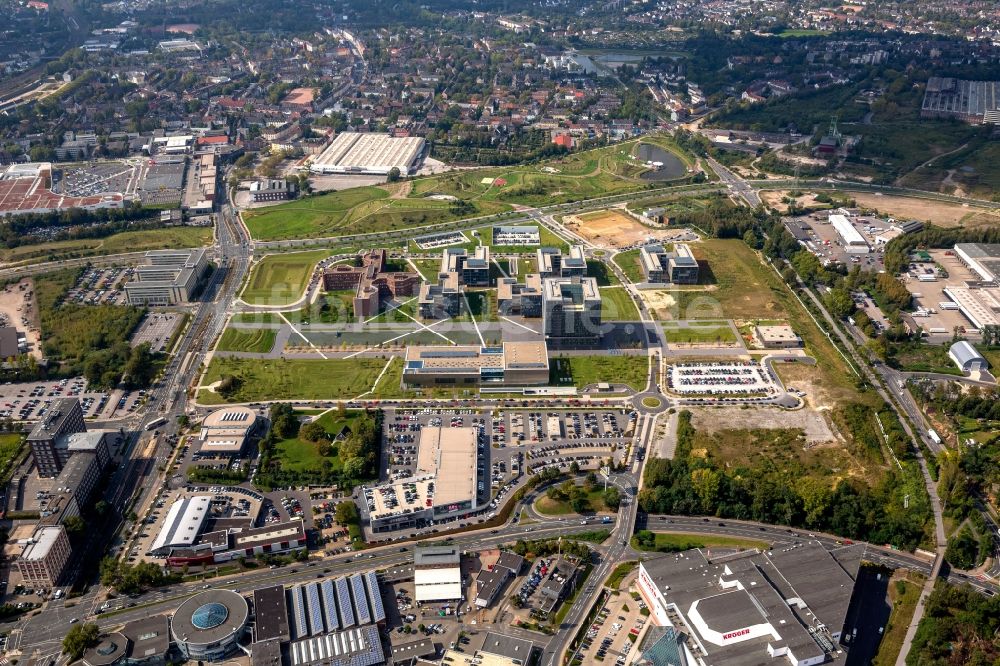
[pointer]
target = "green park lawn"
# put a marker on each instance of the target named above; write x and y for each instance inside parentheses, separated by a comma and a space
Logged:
(698, 332)
(293, 379)
(600, 271)
(551, 507)
(581, 371)
(628, 261)
(617, 305)
(127, 241)
(298, 455)
(280, 279)
(10, 449)
(255, 340)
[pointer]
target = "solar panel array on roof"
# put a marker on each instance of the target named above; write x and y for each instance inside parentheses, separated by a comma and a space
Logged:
(355, 647)
(299, 626)
(360, 602)
(330, 604)
(315, 611)
(375, 597)
(344, 603)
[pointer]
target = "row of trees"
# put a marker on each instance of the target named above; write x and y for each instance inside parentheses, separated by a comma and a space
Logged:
(131, 579)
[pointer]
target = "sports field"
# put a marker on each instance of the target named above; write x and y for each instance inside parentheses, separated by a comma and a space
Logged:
(281, 279)
(254, 340)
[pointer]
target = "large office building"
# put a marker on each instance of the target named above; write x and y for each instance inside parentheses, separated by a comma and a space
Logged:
(553, 263)
(444, 483)
(661, 266)
(167, 277)
(753, 607)
(378, 154)
(64, 418)
(472, 269)
(511, 364)
(571, 308)
(515, 298)
(371, 281)
(44, 558)
(437, 300)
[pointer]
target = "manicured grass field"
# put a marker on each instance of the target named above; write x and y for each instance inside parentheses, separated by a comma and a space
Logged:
(280, 279)
(695, 332)
(617, 305)
(293, 379)
(126, 241)
(581, 371)
(628, 261)
(256, 340)
(672, 543)
(600, 271)
(550, 507)
(298, 455)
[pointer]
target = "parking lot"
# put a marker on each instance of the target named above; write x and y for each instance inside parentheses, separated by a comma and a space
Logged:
(735, 378)
(88, 180)
(101, 285)
(617, 628)
(31, 401)
(157, 328)
(928, 294)
(827, 245)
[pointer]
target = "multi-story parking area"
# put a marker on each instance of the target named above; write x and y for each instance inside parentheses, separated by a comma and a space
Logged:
(736, 378)
(512, 445)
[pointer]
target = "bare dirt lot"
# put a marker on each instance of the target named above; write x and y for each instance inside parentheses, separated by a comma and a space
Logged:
(815, 427)
(941, 213)
(17, 309)
(683, 303)
(613, 228)
(773, 199)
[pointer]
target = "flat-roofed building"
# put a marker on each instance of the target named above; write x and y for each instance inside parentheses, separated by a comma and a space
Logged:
(571, 308)
(270, 613)
(778, 337)
(979, 304)
(444, 483)
(472, 270)
(64, 417)
(514, 298)
(271, 189)
(753, 607)
(853, 241)
(356, 153)
(437, 573)
(983, 259)
(357, 646)
(504, 650)
(225, 432)
(512, 364)
(553, 263)
(167, 277)
(275, 538)
(440, 299)
(79, 478)
(491, 583)
(662, 266)
(44, 559)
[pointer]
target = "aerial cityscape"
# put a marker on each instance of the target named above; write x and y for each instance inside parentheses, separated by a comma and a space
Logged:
(499, 333)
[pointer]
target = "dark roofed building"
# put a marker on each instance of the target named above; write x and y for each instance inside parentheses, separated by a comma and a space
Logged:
(270, 613)
(517, 650)
(489, 584)
(266, 653)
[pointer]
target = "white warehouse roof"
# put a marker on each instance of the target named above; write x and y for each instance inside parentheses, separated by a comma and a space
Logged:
(846, 230)
(442, 584)
(183, 523)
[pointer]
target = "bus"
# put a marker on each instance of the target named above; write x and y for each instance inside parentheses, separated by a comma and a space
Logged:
(156, 423)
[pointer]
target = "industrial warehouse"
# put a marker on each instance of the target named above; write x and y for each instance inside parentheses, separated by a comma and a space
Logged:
(752, 607)
(377, 154)
(443, 453)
